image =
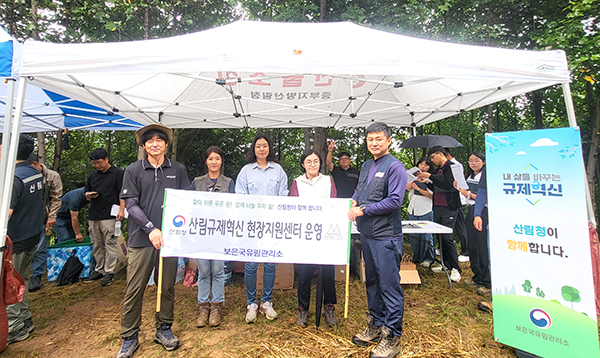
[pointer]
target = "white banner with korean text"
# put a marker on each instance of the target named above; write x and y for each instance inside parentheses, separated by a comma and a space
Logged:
(255, 228)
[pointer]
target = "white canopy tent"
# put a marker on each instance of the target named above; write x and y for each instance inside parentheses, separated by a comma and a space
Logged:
(262, 74)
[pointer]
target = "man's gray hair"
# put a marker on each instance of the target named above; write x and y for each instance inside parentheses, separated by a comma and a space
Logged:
(379, 127)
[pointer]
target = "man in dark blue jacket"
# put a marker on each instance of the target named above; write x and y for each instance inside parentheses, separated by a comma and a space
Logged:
(376, 207)
(24, 228)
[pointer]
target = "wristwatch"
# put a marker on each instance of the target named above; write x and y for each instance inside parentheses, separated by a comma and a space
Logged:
(362, 208)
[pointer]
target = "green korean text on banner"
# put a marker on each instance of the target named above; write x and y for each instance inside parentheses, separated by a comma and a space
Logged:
(542, 285)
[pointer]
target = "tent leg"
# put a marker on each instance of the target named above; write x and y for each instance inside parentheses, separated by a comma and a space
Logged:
(11, 157)
(569, 104)
(10, 99)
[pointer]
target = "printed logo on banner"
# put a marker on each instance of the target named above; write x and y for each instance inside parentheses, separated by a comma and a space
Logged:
(540, 318)
(334, 233)
(178, 221)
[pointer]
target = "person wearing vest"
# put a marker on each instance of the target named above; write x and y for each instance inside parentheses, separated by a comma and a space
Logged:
(313, 184)
(211, 273)
(25, 226)
(376, 208)
(52, 193)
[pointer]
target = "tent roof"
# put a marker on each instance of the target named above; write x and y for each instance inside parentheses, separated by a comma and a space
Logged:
(267, 74)
(48, 111)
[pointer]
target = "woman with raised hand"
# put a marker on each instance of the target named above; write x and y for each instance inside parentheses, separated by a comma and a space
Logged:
(211, 273)
(261, 176)
(313, 184)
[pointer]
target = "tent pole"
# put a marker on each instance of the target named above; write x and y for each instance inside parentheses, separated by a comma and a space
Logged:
(415, 156)
(11, 157)
(569, 104)
(10, 99)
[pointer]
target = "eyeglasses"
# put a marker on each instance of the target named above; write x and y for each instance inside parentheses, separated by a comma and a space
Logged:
(310, 163)
(433, 155)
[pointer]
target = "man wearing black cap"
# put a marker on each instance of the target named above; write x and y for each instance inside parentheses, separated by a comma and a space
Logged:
(143, 189)
(344, 176)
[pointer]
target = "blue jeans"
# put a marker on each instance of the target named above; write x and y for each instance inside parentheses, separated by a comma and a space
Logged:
(63, 229)
(208, 269)
(422, 244)
(39, 258)
(250, 280)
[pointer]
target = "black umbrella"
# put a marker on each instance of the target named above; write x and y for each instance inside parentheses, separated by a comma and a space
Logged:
(319, 298)
(429, 140)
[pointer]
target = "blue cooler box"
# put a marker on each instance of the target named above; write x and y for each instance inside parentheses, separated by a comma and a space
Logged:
(59, 253)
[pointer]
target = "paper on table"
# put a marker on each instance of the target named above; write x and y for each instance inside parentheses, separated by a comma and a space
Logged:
(114, 210)
(459, 176)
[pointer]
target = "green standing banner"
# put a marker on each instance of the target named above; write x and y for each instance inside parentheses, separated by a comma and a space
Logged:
(542, 284)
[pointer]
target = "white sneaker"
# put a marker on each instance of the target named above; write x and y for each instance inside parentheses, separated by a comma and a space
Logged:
(266, 308)
(251, 314)
(426, 263)
(455, 275)
(437, 252)
(437, 268)
(463, 258)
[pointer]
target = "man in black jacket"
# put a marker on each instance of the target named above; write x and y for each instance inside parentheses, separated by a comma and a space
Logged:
(446, 202)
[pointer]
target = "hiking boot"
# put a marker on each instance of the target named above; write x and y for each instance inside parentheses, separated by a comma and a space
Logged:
(472, 283)
(215, 314)
(302, 320)
(93, 277)
(251, 314)
(202, 320)
(266, 308)
(35, 283)
(330, 314)
(389, 346)
(18, 336)
(485, 306)
(485, 292)
(371, 334)
(165, 336)
(130, 345)
(108, 279)
(455, 275)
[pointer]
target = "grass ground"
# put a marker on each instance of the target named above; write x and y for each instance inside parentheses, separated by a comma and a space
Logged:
(84, 321)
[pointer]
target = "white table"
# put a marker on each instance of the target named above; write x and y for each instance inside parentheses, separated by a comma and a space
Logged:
(422, 227)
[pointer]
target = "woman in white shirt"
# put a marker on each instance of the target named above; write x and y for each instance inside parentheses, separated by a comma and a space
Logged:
(420, 206)
(313, 184)
(479, 256)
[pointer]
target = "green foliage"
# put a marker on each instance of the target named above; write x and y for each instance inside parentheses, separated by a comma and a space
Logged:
(570, 294)
(527, 286)
(539, 293)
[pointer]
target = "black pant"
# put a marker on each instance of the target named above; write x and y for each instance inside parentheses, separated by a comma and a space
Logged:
(447, 217)
(461, 229)
(305, 274)
(479, 256)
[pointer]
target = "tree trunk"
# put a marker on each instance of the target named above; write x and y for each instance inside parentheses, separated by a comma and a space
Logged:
(306, 138)
(537, 98)
(147, 22)
(323, 11)
(593, 155)
(490, 123)
(320, 143)
(174, 145)
(58, 150)
(41, 139)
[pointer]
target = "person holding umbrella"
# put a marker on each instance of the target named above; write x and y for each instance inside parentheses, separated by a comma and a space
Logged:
(313, 184)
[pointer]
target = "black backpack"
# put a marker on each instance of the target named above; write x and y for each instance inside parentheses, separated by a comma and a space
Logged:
(70, 271)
